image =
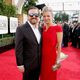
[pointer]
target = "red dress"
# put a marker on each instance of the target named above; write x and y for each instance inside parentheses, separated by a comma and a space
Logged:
(49, 41)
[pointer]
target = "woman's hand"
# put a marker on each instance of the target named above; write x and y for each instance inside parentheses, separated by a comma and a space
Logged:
(56, 66)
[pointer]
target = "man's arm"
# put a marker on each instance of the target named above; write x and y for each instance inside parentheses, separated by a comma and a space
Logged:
(19, 49)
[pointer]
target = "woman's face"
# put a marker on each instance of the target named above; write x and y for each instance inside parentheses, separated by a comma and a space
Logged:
(47, 17)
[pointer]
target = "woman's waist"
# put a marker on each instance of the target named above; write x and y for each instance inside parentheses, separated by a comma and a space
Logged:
(48, 49)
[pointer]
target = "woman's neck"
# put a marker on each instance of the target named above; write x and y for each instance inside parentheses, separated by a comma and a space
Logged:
(48, 25)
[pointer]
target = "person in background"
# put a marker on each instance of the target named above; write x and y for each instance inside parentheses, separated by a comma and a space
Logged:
(74, 35)
(27, 46)
(78, 35)
(51, 46)
(65, 34)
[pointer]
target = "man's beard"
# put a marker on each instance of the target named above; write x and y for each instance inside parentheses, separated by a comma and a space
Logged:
(33, 21)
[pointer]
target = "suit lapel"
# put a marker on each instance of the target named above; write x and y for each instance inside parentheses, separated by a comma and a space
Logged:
(29, 29)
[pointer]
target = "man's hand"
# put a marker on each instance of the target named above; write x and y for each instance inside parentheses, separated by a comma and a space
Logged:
(21, 68)
(79, 37)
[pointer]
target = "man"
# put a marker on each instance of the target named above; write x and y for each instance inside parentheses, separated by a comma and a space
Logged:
(27, 46)
(65, 34)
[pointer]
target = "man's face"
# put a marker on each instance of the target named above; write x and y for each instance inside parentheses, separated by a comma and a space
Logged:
(33, 16)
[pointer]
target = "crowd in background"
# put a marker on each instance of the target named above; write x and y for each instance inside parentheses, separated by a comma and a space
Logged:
(71, 33)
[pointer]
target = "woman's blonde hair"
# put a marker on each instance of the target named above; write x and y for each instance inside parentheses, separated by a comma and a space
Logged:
(47, 9)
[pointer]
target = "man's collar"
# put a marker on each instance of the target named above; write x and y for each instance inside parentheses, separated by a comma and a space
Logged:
(32, 26)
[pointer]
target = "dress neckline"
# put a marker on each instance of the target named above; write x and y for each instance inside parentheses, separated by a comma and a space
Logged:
(45, 30)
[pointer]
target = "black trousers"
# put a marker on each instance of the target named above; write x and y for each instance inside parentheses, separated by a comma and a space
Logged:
(32, 74)
(78, 42)
(65, 41)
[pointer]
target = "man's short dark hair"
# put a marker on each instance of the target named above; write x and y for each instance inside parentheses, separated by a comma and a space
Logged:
(33, 7)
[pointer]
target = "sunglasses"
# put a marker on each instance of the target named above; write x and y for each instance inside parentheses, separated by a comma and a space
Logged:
(33, 14)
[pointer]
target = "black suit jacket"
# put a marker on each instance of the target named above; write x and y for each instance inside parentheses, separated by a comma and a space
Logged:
(27, 49)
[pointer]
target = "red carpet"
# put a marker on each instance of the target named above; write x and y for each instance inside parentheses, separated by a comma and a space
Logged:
(70, 69)
(8, 69)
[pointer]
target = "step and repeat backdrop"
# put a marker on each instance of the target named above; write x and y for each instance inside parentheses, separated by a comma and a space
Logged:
(13, 24)
(3, 25)
(6, 24)
(7, 30)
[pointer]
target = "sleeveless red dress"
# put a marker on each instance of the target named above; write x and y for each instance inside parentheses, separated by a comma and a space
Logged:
(49, 41)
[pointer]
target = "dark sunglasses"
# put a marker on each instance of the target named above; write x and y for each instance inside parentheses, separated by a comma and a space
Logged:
(33, 14)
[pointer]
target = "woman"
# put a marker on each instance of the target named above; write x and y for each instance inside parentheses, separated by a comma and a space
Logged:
(51, 43)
